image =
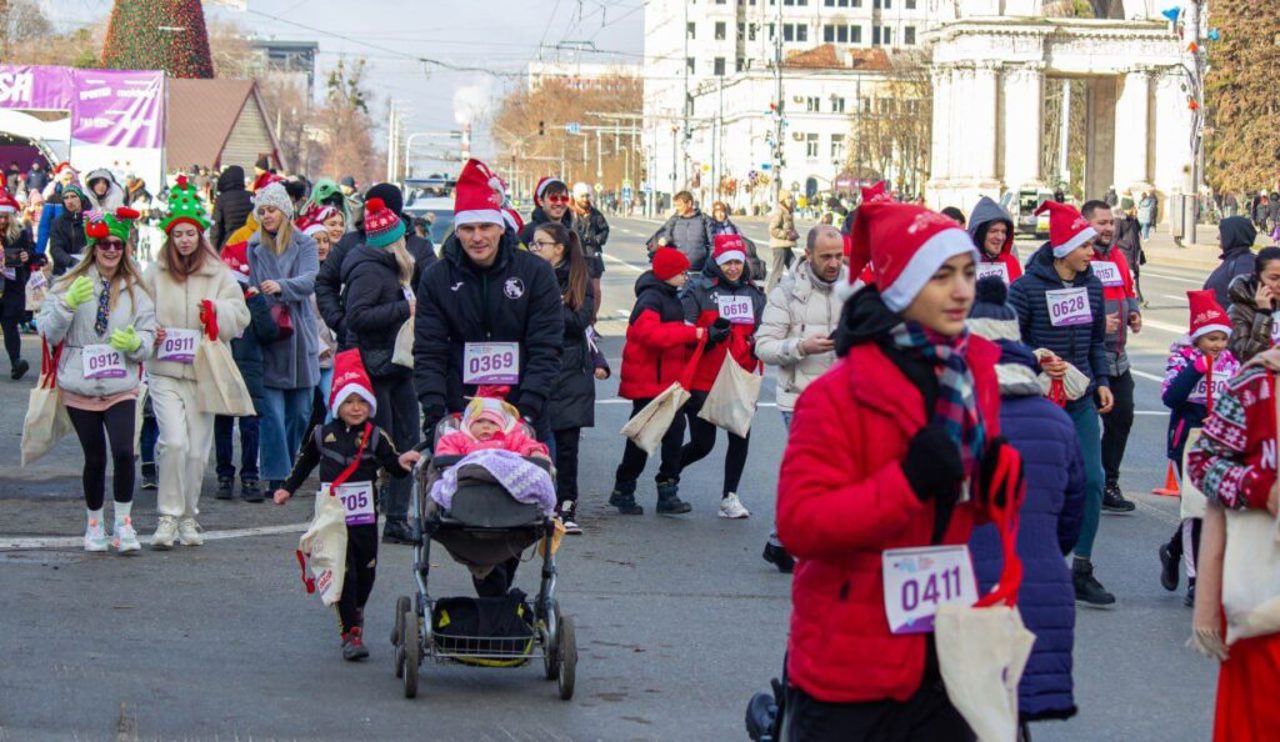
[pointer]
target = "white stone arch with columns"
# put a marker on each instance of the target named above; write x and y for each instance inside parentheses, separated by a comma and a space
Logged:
(988, 104)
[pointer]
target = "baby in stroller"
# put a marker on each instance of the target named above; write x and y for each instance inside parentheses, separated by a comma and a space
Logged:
(490, 423)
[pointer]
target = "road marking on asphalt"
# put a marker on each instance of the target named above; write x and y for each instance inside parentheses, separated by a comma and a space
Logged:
(11, 543)
(1147, 376)
(1168, 277)
(1163, 326)
(623, 263)
(1179, 299)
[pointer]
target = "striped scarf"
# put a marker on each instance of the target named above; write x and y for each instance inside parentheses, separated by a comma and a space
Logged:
(957, 405)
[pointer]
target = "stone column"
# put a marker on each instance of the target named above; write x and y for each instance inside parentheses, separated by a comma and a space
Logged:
(1099, 167)
(1022, 89)
(978, 124)
(1132, 127)
(1172, 136)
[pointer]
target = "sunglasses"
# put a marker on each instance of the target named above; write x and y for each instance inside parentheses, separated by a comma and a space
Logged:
(111, 245)
(562, 198)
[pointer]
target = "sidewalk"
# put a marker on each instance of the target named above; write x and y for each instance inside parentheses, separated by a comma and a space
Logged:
(1203, 255)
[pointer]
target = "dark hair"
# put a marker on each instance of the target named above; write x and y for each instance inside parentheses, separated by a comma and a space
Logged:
(683, 196)
(955, 214)
(555, 186)
(1264, 256)
(1091, 206)
(576, 292)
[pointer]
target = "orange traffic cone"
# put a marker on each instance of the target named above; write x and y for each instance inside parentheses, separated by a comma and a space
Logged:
(1170, 488)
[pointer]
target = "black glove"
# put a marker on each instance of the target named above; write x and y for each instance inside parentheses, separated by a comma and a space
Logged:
(986, 489)
(932, 465)
(431, 417)
(530, 409)
(718, 331)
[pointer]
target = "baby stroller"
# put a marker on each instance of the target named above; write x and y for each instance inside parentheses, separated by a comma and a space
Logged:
(483, 528)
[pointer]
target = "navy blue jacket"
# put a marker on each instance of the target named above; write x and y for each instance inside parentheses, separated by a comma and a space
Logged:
(1083, 346)
(1049, 527)
(247, 349)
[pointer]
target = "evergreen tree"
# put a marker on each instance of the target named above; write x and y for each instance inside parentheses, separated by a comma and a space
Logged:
(1242, 99)
(167, 35)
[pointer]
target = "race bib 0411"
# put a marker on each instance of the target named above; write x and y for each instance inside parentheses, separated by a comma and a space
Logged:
(917, 581)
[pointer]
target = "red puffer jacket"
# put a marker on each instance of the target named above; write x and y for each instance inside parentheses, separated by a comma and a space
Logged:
(842, 500)
(702, 298)
(659, 343)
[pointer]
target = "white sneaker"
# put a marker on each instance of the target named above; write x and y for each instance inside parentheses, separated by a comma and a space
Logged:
(166, 533)
(95, 536)
(731, 507)
(189, 532)
(125, 539)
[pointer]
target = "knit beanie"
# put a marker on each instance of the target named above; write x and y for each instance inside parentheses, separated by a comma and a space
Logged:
(490, 408)
(76, 189)
(275, 196)
(668, 263)
(185, 207)
(118, 224)
(991, 316)
(729, 247)
(382, 226)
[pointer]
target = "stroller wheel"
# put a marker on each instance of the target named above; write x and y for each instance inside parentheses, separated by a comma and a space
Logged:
(412, 654)
(568, 659)
(551, 644)
(399, 662)
(397, 633)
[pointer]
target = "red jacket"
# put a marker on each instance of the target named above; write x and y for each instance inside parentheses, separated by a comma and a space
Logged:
(842, 500)
(1235, 461)
(658, 343)
(1011, 263)
(701, 299)
(1118, 297)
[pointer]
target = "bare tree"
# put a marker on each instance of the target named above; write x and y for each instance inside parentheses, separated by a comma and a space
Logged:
(892, 130)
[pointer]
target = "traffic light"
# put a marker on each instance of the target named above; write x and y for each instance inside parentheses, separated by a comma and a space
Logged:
(542, 128)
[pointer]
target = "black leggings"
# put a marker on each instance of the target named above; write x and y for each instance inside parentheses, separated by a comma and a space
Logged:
(634, 458)
(362, 569)
(567, 464)
(12, 339)
(702, 438)
(118, 422)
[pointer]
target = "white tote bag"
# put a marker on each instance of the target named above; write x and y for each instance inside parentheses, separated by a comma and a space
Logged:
(322, 550)
(647, 427)
(983, 649)
(403, 355)
(1193, 500)
(1251, 575)
(731, 403)
(46, 421)
(220, 388)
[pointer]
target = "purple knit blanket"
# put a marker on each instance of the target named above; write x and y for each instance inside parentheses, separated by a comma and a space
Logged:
(524, 481)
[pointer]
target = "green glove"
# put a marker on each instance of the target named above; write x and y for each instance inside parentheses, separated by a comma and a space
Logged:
(126, 340)
(81, 290)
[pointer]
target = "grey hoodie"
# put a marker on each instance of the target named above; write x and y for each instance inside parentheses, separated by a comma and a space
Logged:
(114, 197)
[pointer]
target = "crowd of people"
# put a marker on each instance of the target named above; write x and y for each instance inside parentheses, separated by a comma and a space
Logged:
(922, 370)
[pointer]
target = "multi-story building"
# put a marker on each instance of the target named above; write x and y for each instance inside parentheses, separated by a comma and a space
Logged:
(579, 75)
(711, 97)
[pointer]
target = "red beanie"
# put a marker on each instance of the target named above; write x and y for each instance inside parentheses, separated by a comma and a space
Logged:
(668, 263)
(906, 244)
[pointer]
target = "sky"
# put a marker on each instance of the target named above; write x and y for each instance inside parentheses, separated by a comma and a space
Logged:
(498, 36)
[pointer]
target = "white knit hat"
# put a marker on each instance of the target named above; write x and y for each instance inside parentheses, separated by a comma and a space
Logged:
(276, 196)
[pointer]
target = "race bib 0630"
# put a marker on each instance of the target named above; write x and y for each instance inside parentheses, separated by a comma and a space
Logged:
(1069, 307)
(491, 363)
(1107, 272)
(357, 502)
(917, 581)
(737, 309)
(103, 362)
(178, 346)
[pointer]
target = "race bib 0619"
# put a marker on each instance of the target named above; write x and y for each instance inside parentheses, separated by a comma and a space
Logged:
(736, 309)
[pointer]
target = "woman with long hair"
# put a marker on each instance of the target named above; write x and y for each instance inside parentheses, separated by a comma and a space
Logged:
(193, 292)
(316, 225)
(378, 276)
(283, 264)
(18, 254)
(573, 398)
(99, 319)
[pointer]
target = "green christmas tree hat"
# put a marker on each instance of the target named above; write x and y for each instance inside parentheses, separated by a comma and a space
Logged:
(185, 206)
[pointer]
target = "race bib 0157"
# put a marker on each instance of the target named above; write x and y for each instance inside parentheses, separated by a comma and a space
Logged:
(999, 270)
(1107, 272)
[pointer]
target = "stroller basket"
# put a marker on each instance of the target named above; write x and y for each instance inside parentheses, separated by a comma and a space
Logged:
(485, 651)
(494, 632)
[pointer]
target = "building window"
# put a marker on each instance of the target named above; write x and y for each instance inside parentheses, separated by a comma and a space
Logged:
(788, 32)
(911, 4)
(720, 30)
(740, 64)
(886, 36)
(811, 104)
(691, 30)
(837, 147)
(811, 146)
(828, 34)
(772, 31)
(751, 31)
(719, 67)
(875, 36)
(802, 32)
(886, 4)
(836, 3)
(855, 34)
(742, 32)
(689, 65)
(909, 35)
(866, 105)
(837, 104)
(794, 2)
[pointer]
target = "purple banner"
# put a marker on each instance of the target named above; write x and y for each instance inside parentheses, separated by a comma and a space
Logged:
(113, 108)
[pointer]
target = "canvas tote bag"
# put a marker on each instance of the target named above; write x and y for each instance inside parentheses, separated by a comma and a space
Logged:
(403, 355)
(323, 548)
(220, 388)
(648, 425)
(731, 403)
(46, 421)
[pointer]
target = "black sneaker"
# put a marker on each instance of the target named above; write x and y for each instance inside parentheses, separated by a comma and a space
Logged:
(1088, 589)
(624, 499)
(1190, 600)
(778, 557)
(1168, 568)
(250, 490)
(225, 487)
(669, 502)
(398, 531)
(149, 481)
(353, 647)
(20, 369)
(1113, 500)
(566, 510)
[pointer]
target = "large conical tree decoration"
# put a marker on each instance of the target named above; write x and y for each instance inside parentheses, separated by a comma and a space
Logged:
(167, 35)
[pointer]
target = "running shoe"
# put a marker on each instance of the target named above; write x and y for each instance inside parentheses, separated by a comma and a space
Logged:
(125, 539)
(189, 532)
(566, 513)
(166, 533)
(732, 508)
(95, 536)
(353, 647)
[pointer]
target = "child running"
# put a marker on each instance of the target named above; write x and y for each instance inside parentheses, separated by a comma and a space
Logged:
(1187, 391)
(489, 423)
(350, 450)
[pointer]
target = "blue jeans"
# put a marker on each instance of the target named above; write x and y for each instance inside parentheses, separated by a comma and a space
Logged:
(224, 449)
(147, 441)
(1084, 415)
(326, 387)
(283, 423)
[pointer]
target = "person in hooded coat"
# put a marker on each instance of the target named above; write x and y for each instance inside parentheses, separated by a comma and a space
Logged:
(66, 236)
(232, 207)
(1050, 518)
(1254, 300)
(989, 223)
(1235, 239)
(103, 192)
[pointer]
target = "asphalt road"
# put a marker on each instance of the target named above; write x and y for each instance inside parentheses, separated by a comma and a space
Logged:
(679, 620)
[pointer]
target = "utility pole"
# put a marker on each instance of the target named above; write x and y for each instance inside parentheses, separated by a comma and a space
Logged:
(599, 157)
(1191, 208)
(778, 114)
(687, 99)
(392, 144)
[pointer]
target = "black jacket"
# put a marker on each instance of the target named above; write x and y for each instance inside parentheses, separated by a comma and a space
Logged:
(376, 308)
(333, 446)
(1083, 346)
(232, 207)
(1237, 256)
(247, 349)
(516, 300)
(66, 238)
(15, 291)
(593, 233)
(573, 399)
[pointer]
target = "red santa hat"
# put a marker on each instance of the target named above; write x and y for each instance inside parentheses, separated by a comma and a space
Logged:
(349, 378)
(542, 186)
(729, 247)
(313, 219)
(907, 244)
(236, 257)
(266, 179)
(479, 196)
(876, 193)
(8, 204)
(1067, 228)
(1206, 314)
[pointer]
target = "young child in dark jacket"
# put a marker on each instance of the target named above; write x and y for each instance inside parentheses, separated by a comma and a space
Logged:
(1197, 371)
(658, 346)
(350, 450)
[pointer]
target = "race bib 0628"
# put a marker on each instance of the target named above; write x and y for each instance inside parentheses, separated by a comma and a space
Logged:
(357, 502)
(103, 362)
(178, 346)
(1069, 307)
(737, 309)
(1107, 272)
(491, 363)
(917, 581)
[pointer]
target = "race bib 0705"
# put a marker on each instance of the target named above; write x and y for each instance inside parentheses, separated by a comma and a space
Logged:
(1107, 272)
(917, 581)
(737, 309)
(178, 346)
(103, 362)
(1069, 307)
(491, 363)
(999, 270)
(357, 502)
